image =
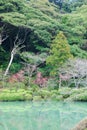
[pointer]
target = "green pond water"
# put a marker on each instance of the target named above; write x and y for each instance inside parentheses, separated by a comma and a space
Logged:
(41, 115)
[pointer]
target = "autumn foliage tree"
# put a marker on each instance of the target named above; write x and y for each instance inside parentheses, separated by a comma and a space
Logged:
(59, 52)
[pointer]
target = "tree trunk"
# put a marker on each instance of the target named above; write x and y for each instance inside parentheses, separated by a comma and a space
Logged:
(10, 62)
(60, 82)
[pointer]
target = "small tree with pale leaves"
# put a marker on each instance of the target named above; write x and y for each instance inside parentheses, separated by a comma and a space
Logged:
(76, 72)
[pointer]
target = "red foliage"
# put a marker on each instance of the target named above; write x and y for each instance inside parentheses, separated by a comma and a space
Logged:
(40, 80)
(18, 77)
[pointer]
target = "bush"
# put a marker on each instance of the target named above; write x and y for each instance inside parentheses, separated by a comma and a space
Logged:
(45, 93)
(11, 97)
(28, 97)
(37, 98)
(20, 95)
(78, 95)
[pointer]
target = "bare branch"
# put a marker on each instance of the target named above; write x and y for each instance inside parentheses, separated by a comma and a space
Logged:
(2, 37)
(77, 72)
(18, 45)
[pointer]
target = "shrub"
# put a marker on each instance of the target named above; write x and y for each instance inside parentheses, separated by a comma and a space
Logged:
(20, 95)
(28, 97)
(11, 97)
(37, 98)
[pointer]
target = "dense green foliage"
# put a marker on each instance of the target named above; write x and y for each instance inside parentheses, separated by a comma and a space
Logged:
(64, 94)
(36, 25)
(44, 21)
(59, 52)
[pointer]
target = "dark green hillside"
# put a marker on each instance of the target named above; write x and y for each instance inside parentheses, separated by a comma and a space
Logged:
(43, 20)
(42, 26)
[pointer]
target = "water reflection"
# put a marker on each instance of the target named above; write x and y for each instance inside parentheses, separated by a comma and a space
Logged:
(41, 115)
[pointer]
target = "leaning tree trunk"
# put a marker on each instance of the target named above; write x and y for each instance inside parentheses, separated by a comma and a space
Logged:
(8, 67)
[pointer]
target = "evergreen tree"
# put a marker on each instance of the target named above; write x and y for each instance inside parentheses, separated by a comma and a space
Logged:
(59, 52)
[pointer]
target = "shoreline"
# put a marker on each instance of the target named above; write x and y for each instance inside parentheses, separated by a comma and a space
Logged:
(43, 94)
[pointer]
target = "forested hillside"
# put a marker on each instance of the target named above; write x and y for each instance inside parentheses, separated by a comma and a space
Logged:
(28, 29)
(43, 20)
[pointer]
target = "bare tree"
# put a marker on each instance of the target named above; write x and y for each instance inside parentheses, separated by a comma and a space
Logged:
(75, 71)
(18, 45)
(31, 63)
(30, 70)
(14, 51)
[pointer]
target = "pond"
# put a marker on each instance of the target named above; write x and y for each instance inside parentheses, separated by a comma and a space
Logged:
(41, 115)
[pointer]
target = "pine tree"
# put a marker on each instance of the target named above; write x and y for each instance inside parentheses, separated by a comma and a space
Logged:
(59, 52)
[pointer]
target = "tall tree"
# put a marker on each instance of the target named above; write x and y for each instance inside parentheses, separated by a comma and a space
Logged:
(59, 52)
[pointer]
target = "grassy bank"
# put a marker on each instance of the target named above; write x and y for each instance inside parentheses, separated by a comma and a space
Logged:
(38, 94)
